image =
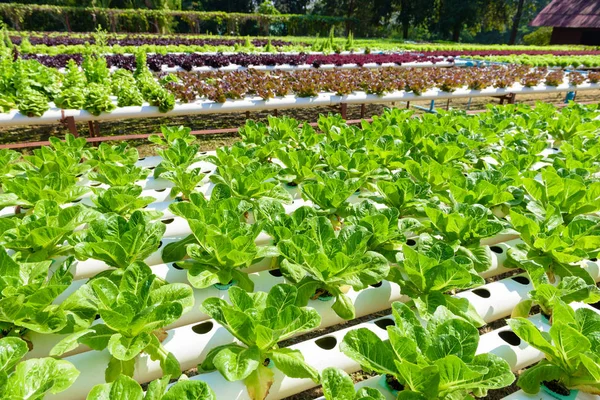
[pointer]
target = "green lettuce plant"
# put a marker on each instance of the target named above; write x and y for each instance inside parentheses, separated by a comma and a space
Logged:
(177, 160)
(113, 174)
(64, 157)
(337, 385)
(259, 321)
(135, 307)
(126, 388)
(388, 232)
(355, 164)
(330, 192)
(250, 182)
(43, 233)
(300, 165)
(490, 188)
(570, 196)
(463, 227)
(218, 211)
(281, 225)
(31, 379)
(28, 291)
(424, 365)
(546, 295)
(118, 241)
(26, 190)
(116, 153)
(402, 194)
(556, 248)
(431, 272)
(123, 200)
(221, 244)
(8, 161)
(323, 262)
(436, 175)
(571, 349)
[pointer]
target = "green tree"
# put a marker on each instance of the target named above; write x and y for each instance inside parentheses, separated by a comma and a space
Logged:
(414, 13)
(291, 6)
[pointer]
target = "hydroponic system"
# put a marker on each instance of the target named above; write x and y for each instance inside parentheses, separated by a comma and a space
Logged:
(412, 256)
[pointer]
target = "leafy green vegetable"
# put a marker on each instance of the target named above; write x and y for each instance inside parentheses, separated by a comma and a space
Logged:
(568, 290)
(436, 361)
(117, 241)
(126, 388)
(221, 244)
(114, 174)
(322, 262)
(134, 307)
(570, 196)
(97, 99)
(571, 349)
(554, 247)
(250, 182)
(462, 228)
(337, 385)
(331, 191)
(387, 232)
(43, 233)
(31, 102)
(300, 165)
(27, 293)
(177, 160)
(117, 153)
(403, 194)
(31, 379)
(259, 321)
(123, 200)
(432, 271)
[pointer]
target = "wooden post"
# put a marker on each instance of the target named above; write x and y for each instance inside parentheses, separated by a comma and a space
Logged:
(69, 123)
(362, 110)
(344, 110)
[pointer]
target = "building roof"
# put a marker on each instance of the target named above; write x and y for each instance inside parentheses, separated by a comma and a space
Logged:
(570, 14)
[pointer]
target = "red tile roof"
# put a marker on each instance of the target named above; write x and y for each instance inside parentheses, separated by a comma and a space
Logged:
(570, 14)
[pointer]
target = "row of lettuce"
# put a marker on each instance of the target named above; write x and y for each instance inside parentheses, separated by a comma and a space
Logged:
(31, 88)
(55, 49)
(400, 199)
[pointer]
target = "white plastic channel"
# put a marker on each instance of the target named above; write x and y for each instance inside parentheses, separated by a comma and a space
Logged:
(294, 68)
(517, 355)
(185, 345)
(263, 281)
(198, 107)
(190, 347)
(366, 302)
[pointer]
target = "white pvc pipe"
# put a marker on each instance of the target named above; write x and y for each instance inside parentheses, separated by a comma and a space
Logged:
(485, 306)
(294, 68)
(190, 347)
(198, 107)
(43, 343)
